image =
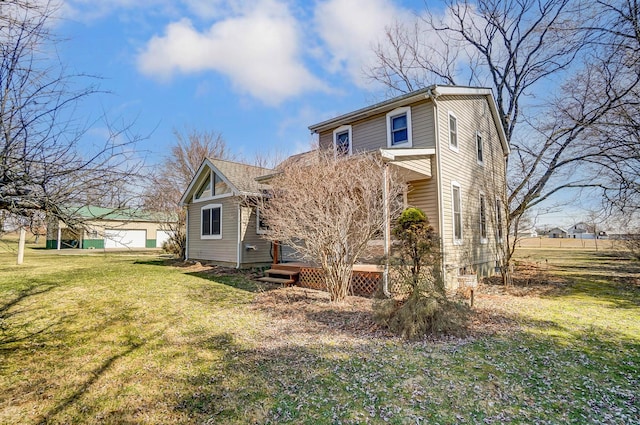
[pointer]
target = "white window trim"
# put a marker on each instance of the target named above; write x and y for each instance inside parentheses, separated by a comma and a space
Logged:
(212, 175)
(480, 161)
(455, 148)
(400, 111)
(453, 216)
(204, 198)
(259, 231)
(213, 198)
(483, 240)
(206, 207)
(339, 130)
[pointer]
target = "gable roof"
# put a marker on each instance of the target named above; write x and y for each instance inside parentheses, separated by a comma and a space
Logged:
(240, 177)
(430, 92)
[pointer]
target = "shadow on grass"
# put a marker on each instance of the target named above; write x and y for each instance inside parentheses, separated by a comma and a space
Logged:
(243, 279)
(9, 335)
(95, 375)
(523, 378)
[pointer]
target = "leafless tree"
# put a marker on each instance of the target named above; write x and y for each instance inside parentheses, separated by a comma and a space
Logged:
(328, 210)
(520, 48)
(45, 166)
(174, 175)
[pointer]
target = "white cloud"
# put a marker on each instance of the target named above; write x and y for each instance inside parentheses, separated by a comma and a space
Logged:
(259, 51)
(349, 30)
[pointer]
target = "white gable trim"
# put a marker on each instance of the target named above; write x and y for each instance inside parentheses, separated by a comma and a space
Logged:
(207, 163)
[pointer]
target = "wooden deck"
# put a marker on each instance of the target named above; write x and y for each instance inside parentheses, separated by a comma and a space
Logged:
(366, 279)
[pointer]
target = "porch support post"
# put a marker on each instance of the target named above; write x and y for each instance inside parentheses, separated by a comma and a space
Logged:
(387, 229)
(274, 244)
(59, 237)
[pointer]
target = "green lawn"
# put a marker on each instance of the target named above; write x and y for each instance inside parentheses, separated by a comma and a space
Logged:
(127, 339)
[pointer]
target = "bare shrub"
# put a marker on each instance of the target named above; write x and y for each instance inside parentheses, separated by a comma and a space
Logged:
(327, 209)
(425, 309)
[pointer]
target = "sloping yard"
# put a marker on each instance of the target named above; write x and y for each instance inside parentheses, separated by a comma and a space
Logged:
(128, 339)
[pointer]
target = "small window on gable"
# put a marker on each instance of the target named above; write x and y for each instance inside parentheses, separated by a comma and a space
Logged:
(342, 140)
(479, 148)
(453, 131)
(204, 191)
(211, 225)
(220, 187)
(399, 128)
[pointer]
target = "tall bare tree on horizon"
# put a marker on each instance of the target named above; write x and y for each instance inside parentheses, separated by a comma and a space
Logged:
(520, 48)
(46, 162)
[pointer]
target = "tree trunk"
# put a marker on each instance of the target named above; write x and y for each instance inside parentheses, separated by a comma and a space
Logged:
(21, 246)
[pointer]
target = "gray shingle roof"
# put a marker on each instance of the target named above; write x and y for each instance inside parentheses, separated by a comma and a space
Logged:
(242, 176)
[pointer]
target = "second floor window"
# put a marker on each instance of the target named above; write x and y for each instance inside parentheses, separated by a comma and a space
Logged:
(453, 131)
(399, 133)
(399, 128)
(342, 140)
(342, 143)
(479, 148)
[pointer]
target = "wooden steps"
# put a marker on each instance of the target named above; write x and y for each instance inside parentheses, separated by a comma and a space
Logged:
(284, 276)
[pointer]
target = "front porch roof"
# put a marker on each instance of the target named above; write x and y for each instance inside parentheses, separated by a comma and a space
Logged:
(410, 162)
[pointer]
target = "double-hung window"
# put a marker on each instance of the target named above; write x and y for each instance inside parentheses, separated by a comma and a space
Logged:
(479, 148)
(399, 128)
(211, 222)
(453, 131)
(342, 140)
(483, 219)
(456, 207)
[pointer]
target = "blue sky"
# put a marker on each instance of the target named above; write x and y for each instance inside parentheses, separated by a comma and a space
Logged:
(258, 72)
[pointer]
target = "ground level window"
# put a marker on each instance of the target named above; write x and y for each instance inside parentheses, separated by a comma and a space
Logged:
(211, 222)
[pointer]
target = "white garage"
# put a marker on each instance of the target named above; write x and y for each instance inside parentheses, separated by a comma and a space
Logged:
(120, 238)
(162, 236)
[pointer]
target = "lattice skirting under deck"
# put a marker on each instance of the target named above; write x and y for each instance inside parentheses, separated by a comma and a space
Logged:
(363, 284)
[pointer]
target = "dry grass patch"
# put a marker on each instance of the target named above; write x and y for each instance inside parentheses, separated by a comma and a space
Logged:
(134, 340)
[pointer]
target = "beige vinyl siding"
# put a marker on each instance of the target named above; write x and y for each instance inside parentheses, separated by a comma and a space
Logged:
(472, 114)
(423, 194)
(325, 140)
(371, 133)
(250, 236)
(422, 125)
(219, 250)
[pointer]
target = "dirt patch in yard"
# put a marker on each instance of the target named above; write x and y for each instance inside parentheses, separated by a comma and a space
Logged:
(305, 315)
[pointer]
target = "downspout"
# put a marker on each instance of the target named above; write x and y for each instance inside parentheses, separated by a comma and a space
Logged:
(239, 253)
(387, 231)
(186, 235)
(433, 94)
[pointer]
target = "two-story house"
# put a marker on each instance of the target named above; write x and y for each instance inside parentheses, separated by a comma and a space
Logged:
(446, 142)
(449, 144)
